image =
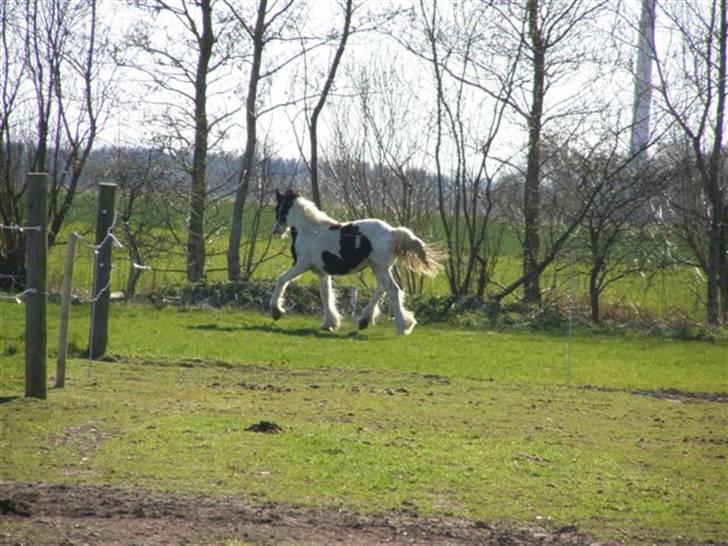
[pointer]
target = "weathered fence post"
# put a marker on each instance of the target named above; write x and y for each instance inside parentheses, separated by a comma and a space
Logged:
(36, 337)
(99, 334)
(65, 310)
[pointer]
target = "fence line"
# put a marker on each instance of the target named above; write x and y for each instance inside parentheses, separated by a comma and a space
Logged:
(35, 279)
(21, 296)
(6, 276)
(109, 235)
(96, 248)
(21, 229)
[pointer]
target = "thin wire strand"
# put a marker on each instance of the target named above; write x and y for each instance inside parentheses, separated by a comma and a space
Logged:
(21, 229)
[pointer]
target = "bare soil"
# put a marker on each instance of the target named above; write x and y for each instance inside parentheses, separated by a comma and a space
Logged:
(44, 514)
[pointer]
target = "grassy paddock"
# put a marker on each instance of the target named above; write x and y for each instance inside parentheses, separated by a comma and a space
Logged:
(444, 422)
(677, 292)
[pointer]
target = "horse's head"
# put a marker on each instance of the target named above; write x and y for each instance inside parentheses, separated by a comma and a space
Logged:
(284, 202)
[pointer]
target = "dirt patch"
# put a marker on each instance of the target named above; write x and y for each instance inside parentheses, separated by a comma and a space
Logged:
(685, 396)
(666, 394)
(267, 427)
(70, 514)
(257, 387)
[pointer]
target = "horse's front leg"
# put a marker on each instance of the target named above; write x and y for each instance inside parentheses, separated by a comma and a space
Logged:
(276, 299)
(332, 318)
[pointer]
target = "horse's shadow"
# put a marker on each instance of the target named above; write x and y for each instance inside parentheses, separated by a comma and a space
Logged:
(274, 329)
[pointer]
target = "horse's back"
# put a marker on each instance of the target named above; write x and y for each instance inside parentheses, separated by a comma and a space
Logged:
(373, 228)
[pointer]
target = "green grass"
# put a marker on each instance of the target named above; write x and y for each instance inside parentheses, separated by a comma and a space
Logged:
(446, 421)
(621, 362)
(677, 292)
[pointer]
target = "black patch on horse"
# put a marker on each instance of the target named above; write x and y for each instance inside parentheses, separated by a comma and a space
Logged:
(284, 202)
(354, 248)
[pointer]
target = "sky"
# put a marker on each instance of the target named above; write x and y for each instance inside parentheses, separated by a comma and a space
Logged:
(399, 83)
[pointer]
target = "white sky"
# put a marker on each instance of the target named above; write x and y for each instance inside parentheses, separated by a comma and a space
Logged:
(406, 82)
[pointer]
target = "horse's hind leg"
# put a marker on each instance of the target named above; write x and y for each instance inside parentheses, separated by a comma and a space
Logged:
(332, 318)
(370, 313)
(276, 299)
(404, 320)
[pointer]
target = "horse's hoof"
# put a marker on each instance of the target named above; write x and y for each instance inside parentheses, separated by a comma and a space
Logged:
(409, 325)
(330, 327)
(363, 323)
(407, 330)
(277, 313)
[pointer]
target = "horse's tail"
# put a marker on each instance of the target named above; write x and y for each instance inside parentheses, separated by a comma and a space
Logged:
(415, 254)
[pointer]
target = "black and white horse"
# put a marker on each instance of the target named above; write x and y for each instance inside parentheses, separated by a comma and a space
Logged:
(323, 245)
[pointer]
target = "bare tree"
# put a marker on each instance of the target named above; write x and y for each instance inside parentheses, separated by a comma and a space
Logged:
(376, 165)
(539, 44)
(189, 72)
(143, 181)
(462, 153)
(321, 102)
(692, 91)
(54, 58)
(259, 249)
(550, 26)
(615, 239)
(145, 187)
(14, 67)
(270, 21)
(509, 55)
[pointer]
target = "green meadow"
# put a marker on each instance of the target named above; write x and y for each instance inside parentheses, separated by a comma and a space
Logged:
(625, 439)
(675, 293)
(621, 435)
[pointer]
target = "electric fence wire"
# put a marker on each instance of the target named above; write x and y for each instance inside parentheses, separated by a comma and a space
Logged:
(97, 293)
(20, 297)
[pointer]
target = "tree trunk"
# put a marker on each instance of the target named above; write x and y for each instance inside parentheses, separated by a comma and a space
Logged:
(713, 270)
(131, 282)
(723, 267)
(246, 169)
(717, 260)
(450, 265)
(313, 160)
(313, 125)
(195, 225)
(531, 194)
(594, 294)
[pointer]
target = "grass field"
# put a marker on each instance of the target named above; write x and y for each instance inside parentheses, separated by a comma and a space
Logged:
(484, 425)
(675, 293)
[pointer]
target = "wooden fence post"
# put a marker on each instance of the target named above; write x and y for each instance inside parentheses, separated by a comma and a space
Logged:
(36, 249)
(99, 334)
(65, 310)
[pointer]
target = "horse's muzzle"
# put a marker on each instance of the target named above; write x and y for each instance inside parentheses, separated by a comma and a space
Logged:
(279, 229)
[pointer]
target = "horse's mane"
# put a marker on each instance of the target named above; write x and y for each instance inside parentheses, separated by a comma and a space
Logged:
(312, 213)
